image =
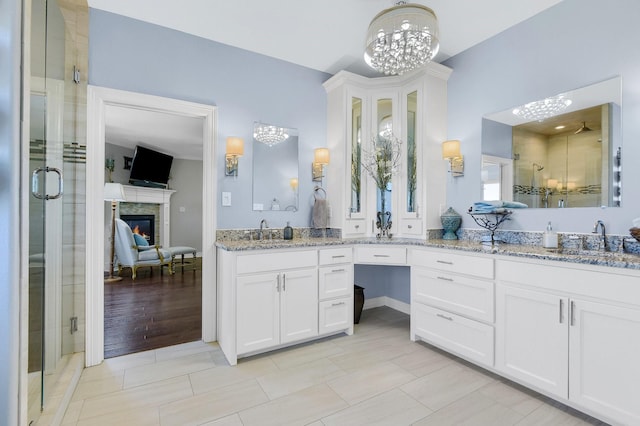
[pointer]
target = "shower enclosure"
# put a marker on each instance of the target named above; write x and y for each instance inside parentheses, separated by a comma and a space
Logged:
(56, 161)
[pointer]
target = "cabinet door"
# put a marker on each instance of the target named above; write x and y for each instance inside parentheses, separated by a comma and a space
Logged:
(604, 367)
(299, 305)
(532, 341)
(258, 312)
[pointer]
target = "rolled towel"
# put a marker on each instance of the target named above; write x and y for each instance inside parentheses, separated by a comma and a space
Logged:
(320, 214)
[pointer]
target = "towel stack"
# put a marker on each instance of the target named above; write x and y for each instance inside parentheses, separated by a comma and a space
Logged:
(496, 206)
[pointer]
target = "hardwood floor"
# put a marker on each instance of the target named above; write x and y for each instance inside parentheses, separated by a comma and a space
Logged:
(153, 311)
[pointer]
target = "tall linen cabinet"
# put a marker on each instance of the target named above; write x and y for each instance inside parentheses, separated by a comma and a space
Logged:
(411, 108)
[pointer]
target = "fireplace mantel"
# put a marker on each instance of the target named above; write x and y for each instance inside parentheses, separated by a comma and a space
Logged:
(141, 194)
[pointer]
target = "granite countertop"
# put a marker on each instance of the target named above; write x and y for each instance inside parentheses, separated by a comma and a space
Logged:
(588, 257)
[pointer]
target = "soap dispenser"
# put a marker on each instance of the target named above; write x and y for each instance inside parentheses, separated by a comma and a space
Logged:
(287, 233)
(550, 238)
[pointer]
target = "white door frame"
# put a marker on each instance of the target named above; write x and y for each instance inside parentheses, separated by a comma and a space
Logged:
(97, 100)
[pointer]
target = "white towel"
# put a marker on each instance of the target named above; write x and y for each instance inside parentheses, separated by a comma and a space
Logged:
(320, 214)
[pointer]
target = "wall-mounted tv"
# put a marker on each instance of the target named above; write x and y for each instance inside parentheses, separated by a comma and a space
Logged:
(150, 168)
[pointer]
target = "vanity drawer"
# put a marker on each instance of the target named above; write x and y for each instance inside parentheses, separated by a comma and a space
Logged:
(451, 262)
(462, 295)
(471, 339)
(266, 261)
(336, 255)
(335, 281)
(335, 315)
(381, 255)
(355, 226)
(411, 226)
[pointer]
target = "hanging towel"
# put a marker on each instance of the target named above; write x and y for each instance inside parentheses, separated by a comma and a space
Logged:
(320, 214)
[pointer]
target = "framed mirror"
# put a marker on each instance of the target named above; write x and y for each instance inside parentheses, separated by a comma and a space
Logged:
(568, 155)
(275, 168)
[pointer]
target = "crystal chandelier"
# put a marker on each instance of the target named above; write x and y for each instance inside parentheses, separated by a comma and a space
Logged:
(269, 134)
(401, 38)
(545, 108)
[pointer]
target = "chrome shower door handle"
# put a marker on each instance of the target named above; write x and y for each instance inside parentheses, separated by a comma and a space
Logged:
(35, 183)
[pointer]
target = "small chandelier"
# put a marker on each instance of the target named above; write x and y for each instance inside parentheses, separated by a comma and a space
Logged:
(402, 38)
(269, 134)
(545, 108)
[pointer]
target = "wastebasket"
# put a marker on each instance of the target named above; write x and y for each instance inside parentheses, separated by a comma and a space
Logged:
(358, 303)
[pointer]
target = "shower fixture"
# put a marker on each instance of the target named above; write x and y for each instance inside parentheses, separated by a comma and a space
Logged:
(538, 167)
(584, 128)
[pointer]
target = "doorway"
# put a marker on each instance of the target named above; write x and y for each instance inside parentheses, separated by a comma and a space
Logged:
(99, 99)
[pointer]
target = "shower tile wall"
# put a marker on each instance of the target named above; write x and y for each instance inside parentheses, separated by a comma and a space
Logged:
(530, 148)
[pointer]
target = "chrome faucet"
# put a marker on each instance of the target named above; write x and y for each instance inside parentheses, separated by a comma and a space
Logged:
(603, 235)
(263, 225)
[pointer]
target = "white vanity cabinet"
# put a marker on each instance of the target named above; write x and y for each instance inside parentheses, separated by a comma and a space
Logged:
(452, 299)
(266, 299)
(572, 333)
(335, 290)
(272, 298)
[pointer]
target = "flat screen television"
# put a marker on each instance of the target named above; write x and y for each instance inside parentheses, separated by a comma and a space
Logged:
(150, 168)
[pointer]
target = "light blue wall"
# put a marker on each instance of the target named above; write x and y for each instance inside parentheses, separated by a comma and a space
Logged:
(571, 45)
(132, 55)
(378, 281)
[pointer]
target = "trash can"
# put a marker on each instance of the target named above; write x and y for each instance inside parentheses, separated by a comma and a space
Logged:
(358, 303)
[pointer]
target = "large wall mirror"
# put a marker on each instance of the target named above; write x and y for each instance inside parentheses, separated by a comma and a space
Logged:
(562, 151)
(275, 168)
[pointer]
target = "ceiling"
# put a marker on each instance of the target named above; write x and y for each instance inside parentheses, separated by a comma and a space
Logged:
(325, 35)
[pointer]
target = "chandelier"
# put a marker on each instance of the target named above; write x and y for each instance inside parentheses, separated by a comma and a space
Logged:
(269, 134)
(545, 108)
(401, 38)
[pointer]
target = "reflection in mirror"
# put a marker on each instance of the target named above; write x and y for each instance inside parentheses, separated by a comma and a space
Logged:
(385, 135)
(356, 154)
(275, 169)
(566, 160)
(412, 180)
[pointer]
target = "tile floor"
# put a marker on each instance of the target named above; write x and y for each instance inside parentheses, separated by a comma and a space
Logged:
(375, 377)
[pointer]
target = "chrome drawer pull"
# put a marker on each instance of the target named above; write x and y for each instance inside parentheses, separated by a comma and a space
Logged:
(445, 317)
(337, 256)
(561, 309)
(381, 255)
(572, 308)
(337, 270)
(445, 262)
(338, 304)
(445, 279)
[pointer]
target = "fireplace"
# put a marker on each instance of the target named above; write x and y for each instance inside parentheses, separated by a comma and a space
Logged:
(142, 224)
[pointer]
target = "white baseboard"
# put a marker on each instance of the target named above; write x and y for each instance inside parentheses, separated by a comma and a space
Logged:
(377, 302)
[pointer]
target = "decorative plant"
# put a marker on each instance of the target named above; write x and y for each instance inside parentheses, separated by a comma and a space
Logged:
(382, 163)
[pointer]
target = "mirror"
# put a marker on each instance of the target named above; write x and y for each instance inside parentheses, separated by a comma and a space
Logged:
(412, 180)
(356, 154)
(565, 158)
(275, 168)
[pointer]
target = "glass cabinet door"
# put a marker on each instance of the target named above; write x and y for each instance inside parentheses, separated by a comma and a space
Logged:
(356, 156)
(384, 160)
(412, 161)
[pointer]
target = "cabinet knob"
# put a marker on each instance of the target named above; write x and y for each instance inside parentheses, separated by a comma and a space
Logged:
(409, 226)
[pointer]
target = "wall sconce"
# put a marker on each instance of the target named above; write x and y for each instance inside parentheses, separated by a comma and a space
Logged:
(320, 159)
(451, 152)
(235, 150)
(293, 183)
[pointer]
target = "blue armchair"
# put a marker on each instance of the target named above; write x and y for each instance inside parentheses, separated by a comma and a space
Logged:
(130, 255)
